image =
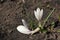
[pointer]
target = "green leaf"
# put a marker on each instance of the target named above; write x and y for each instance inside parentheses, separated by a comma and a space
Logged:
(32, 25)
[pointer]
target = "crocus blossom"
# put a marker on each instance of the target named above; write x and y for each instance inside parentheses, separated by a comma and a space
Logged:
(23, 29)
(38, 13)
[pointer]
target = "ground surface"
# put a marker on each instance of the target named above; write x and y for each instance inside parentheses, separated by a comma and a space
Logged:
(12, 11)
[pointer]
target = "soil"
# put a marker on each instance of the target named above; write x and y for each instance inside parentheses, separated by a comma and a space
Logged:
(12, 11)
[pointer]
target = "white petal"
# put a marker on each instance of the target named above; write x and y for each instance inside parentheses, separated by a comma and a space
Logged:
(36, 15)
(24, 22)
(38, 10)
(23, 29)
(41, 14)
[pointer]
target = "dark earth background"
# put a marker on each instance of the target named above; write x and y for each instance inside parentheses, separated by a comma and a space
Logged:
(12, 11)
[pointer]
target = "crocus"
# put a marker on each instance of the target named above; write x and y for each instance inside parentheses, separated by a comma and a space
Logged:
(38, 13)
(23, 28)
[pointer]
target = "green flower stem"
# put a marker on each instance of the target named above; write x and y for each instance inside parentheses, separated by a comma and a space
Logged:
(40, 26)
(48, 17)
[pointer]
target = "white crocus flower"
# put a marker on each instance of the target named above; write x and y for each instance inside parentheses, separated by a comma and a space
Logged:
(23, 28)
(38, 13)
